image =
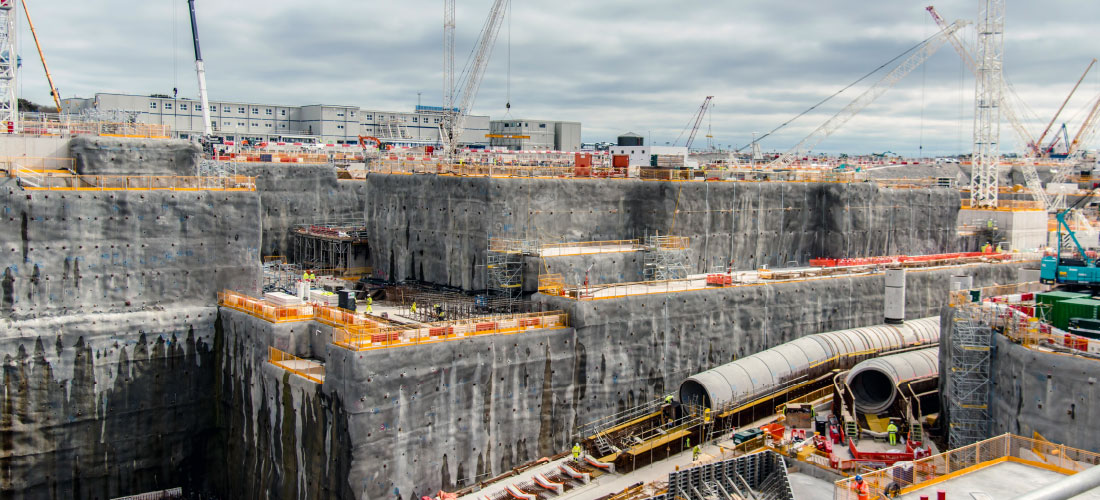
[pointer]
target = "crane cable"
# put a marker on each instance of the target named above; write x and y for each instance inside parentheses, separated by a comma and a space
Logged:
(850, 85)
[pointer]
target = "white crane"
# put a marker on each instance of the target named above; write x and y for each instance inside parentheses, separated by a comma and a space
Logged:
(457, 102)
(921, 54)
(987, 105)
(200, 70)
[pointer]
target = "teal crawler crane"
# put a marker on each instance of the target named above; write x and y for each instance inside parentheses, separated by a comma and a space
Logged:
(1080, 270)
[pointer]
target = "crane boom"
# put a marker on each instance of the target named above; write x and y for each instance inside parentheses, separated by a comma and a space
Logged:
(1086, 129)
(698, 120)
(49, 79)
(454, 116)
(1039, 141)
(200, 71)
(833, 124)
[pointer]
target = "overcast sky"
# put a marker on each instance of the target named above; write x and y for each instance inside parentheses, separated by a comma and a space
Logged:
(614, 65)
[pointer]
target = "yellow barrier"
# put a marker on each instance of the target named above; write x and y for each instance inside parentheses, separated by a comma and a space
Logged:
(363, 338)
(551, 284)
(308, 369)
(106, 129)
(589, 247)
(1007, 206)
(938, 468)
(12, 165)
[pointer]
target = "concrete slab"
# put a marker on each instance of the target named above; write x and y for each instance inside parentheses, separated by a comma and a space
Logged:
(806, 487)
(1003, 480)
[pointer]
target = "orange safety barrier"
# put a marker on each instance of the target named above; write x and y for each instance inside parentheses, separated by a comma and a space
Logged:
(54, 181)
(264, 310)
(363, 337)
(305, 368)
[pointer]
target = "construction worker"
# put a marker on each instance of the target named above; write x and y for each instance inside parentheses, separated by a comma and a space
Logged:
(312, 276)
(438, 311)
(370, 303)
(695, 453)
(576, 451)
(668, 399)
(861, 489)
(413, 308)
(706, 416)
(305, 275)
(687, 442)
(892, 430)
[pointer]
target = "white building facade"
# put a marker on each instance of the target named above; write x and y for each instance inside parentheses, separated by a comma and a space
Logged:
(535, 135)
(328, 124)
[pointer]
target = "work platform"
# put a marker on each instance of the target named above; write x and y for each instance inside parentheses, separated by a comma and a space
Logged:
(337, 245)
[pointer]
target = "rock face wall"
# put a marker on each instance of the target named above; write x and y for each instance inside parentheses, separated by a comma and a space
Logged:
(1049, 393)
(124, 156)
(107, 404)
(435, 229)
(293, 194)
(468, 409)
(68, 252)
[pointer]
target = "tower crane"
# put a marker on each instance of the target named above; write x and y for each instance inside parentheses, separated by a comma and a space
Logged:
(698, 119)
(921, 54)
(1008, 111)
(458, 102)
(988, 89)
(1086, 130)
(200, 70)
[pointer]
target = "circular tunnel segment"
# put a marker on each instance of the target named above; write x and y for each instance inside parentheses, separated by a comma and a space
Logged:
(874, 382)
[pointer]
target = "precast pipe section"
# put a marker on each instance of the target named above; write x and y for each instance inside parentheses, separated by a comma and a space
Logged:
(874, 382)
(768, 370)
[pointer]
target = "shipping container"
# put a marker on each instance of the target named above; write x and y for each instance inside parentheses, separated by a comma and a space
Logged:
(1062, 311)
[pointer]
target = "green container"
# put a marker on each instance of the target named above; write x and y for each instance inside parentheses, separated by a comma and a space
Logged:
(1044, 303)
(1074, 308)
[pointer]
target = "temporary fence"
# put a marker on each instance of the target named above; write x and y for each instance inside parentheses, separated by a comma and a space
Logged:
(308, 369)
(1007, 206)
(53, 181)
(45, 127)
(265, 310)
(362, 338)
(910, 476)
(588, 247)
(14, 165)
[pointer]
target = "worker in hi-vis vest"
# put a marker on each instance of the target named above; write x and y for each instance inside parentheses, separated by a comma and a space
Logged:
(892, 430)
(576, 451)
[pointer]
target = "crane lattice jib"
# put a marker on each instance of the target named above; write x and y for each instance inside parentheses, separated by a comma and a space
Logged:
(867, 97)
(1087, 127)
(454, 117)
(1006, 109)
(987, 100)
(9, 107)
(698, 120)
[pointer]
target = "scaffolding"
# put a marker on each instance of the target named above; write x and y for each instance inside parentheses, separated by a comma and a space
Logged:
(666, 258)
(337, 245)
(969, 388)
(760, 476)
(504, 267)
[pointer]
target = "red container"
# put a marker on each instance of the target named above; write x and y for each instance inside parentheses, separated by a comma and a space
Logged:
(620, 161)
(582, 160)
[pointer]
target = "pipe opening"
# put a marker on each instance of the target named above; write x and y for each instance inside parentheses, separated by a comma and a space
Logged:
(692, 392)
(873, 391)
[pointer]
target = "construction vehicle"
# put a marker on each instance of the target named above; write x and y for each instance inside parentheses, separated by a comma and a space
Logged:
(1078, 270)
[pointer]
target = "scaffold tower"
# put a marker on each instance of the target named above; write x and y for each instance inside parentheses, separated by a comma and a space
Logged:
(504, 266)
(666, 257)
(9, 65)
(968, 392)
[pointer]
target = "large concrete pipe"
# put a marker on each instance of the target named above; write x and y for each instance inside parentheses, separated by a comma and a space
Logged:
(1069, 487)
(874, 382)
(768, 370)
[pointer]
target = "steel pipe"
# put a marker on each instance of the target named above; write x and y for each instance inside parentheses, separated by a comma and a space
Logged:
(770, 369)
(874, 382)
(1069, 487)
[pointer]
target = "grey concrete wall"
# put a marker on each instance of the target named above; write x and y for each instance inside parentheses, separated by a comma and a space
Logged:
(100, 405)
(298, 194)
(39, 147)
(1050, 393)
(125, 156)
(473, 408)
(619, 267)
(435, 228)
(65, 252)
